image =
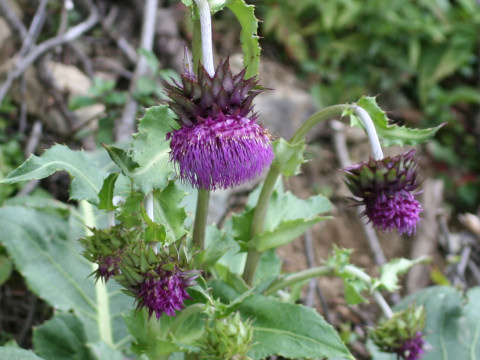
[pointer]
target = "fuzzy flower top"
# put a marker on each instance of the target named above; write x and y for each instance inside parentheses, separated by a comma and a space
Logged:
(386, 188)
(219, 143)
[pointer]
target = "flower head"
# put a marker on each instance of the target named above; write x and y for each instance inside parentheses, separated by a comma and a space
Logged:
(105, 247)
(412, 348)
(219, 143)
(163, 291)
(402, 334)
(386, 188)
(156, 280)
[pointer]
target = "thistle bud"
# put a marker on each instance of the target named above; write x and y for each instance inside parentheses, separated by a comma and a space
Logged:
(402, 334)
(386, 188)
(105, 248)
(228, 338)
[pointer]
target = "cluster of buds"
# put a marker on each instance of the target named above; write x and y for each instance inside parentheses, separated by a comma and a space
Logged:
(228, 338)
(219, 143)
(385, 188)
(105, 248)
(402, 334)
(156, 280)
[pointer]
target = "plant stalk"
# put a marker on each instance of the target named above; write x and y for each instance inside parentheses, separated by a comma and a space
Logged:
(258, 221)
(104, 321)
(201, 218)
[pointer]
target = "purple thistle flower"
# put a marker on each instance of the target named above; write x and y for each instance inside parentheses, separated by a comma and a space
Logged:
(164, 291)
(413, 348)
(219, 143)
(385, 188)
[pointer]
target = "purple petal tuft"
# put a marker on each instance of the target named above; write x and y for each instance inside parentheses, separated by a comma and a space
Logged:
(222, 152)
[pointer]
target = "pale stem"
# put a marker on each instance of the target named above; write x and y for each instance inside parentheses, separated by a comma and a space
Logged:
(370, 130)
(104, 321)
(206, 31)
(111, 218)
(149, 206)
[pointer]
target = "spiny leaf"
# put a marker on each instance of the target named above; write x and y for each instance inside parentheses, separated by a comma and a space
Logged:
(106, 194)
(86, 177)
(391, 134)
(150, 149)
(248, 37)
(288, 157)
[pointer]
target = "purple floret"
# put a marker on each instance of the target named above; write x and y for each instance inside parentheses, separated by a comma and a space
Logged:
(222, 152)
(413, 349)
(165, 293)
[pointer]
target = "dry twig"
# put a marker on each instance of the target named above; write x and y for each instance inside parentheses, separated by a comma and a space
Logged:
(23, 62)
(125, 127)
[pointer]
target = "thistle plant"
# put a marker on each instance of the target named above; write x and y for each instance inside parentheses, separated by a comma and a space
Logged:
(207, 136)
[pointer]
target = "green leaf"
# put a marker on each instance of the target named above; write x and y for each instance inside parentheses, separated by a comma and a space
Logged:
(288, 157)
(167, 210)
(217, 243)
(62, 338)
(106, 193)
(285, 232)
(40, 245)
(160, 338)
(390, 271)
(86, 177)
(123, 159)
(81, 101)
(150, 149)
(287, 218)
(290, 330)
(393, 134)
(6, 268)
(353, 291)
(11, 353)
(102, 351)
(248, 37)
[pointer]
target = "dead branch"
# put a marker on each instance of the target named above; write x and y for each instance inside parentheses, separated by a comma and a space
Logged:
(12, 20)
(23, 62)
(125, 127)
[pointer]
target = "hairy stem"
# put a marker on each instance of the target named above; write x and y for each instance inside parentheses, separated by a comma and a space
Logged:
(253, 256)
(201, 218)
(104, 322)
(206, 31)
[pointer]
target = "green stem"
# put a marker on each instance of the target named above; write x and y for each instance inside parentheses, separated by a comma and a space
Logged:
(201, 218)
(258, 220)
(103, 306)
(298, 277)
(317, 118)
